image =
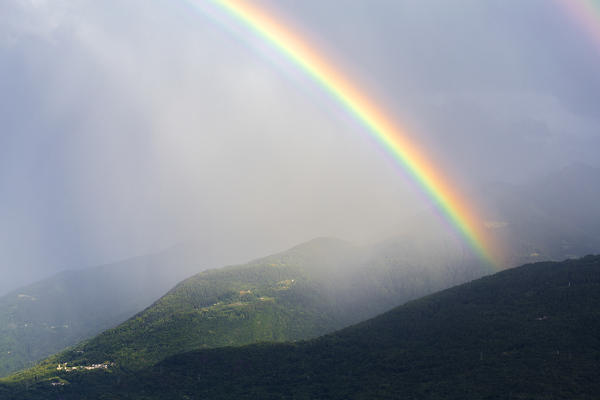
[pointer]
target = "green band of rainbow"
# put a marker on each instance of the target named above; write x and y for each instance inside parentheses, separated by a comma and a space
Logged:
(394, 140)
(587, 15)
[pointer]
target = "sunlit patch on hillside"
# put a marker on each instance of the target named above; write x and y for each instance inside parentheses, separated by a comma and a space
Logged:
(285, 284)
(91, 367)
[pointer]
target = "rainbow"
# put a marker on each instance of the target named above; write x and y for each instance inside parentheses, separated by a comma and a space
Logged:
(456, 208)
(587, 14)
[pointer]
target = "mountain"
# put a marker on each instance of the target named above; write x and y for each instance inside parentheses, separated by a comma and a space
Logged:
(309, 290)
(531, 332)
(553, 217)
(48, 316)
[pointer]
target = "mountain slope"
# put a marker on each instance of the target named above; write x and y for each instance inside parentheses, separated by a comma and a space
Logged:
(552, 218)
(48, 316)
(528, 333)
(272, 299)
(309, 290)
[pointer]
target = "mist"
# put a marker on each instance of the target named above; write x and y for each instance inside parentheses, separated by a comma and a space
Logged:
(129, 127)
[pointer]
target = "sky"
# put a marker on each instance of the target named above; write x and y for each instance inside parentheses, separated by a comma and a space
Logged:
(130, 126)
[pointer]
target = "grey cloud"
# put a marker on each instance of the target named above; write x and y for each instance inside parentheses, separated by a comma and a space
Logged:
(130, 126)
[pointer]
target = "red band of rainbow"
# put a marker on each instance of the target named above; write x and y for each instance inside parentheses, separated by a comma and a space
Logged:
(455, 207)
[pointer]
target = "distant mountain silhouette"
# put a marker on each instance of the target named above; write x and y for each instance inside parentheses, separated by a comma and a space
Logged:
(554, 217)
(45, 317)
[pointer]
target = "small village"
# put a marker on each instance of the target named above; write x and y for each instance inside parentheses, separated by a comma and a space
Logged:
(65, 367)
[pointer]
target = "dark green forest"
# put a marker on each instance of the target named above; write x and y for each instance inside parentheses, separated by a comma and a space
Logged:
(532, 332)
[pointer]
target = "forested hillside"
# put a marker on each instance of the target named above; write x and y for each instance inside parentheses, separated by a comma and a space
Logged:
(46, 317)
(307, 291)
(532, 332)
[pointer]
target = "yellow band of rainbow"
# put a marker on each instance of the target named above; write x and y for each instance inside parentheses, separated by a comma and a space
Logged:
(457, 209)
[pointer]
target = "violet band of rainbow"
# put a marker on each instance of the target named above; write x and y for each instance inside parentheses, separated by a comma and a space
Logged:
(455, 207)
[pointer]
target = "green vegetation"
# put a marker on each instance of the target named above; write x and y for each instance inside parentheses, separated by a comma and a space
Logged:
(307, 291)
(532, 332)
(334, 285)
(48, 316)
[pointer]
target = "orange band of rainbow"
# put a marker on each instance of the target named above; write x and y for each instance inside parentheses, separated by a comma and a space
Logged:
(456, 208)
